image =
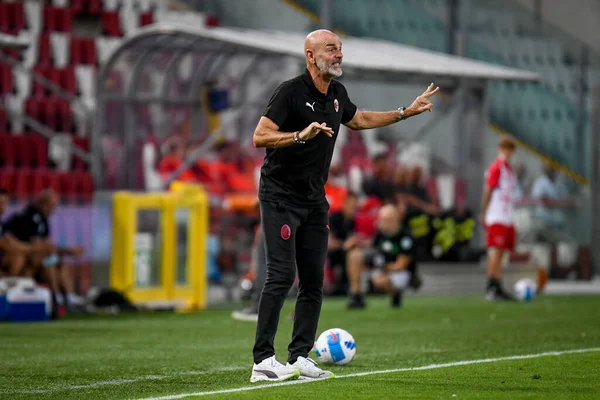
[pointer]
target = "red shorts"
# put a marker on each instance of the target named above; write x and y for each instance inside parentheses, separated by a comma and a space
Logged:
(501, 237)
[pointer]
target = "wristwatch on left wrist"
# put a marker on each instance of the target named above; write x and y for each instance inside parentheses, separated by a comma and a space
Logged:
(401, 109)
(297, 138)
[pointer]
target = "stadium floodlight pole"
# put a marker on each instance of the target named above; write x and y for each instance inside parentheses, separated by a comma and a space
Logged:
(326, 13)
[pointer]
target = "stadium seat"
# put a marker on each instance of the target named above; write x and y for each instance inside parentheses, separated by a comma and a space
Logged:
(44, 72)
(23, 183)
(44, 179)
(78, 6)
(58, 114)
(7, 150)
(44, 53)
(94, 7)
(111, 24)
(3, 121)
(68, 186)
(84, 144)
(12, 17)
(33, 108)
(6, 79)
(24, 153)
(39, 144)
(7, 179)
(146, 18)
(88, 47)
(85, 185)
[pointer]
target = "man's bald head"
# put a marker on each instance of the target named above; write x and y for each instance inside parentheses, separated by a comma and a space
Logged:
(388, 219)
(323, 51)
(46, 201)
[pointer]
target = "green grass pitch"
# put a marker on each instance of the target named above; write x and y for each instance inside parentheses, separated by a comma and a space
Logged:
(167, 355)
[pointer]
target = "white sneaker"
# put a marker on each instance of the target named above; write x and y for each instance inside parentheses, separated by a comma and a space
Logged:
(271, 370)
(245, 315)
(308, 369)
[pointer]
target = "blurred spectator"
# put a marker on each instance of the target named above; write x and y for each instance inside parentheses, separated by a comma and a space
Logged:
(44, 262)
(342, 238)
(414, 192)
(390, 260)
(172, 160)
(552, 202)
(379, 184)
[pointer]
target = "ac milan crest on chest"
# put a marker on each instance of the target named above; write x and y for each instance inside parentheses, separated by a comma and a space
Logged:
(336, 105)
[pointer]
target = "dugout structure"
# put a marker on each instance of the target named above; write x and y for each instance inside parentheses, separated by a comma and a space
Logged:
(157, 78)
(159, 247)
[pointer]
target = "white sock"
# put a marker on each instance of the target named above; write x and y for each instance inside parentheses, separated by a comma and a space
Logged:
(60, 300)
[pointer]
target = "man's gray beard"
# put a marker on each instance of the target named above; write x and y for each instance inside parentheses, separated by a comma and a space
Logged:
(322, 65)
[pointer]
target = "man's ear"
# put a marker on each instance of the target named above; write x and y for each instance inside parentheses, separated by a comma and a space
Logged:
(310, 55)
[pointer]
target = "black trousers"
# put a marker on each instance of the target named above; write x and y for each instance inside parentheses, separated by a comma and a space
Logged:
(294, 238)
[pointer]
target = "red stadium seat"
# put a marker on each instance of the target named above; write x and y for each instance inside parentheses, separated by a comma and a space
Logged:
(83, 51)
(44, 53)
(57, 19)
(58, 114)
(18, 16)
(111, 24)
(68, 186)
(3, 121)
(82, 143)
(77, 6)
(85, 185)
(33, 108)
(6, 79)
(146, 18)
(49, 19)
(75, 51)
(4, 18)
(7, 150)
(94, 7)
(68, 81)
(12, 17)
(43, 71)
(45, 179)
(23, 152)
(7, 179)
(88, 47)
(39, 144)
(23, 183)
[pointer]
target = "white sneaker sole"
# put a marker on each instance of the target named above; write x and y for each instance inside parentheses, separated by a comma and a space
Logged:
(240, 316)
(309, 378)
(264, 378)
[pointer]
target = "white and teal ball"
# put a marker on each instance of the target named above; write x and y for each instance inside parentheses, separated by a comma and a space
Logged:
(335, 346)
(525, 289)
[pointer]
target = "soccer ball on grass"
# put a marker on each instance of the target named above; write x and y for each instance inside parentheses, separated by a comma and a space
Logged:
(335, 346)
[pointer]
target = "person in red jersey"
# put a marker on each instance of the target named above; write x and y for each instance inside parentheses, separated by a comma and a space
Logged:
(499, 197)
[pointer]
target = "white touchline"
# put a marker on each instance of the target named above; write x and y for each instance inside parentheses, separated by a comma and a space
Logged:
(115, 382)
(386, 371)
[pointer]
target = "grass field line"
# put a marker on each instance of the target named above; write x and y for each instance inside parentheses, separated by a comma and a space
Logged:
(378, 372)
(124, 381)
